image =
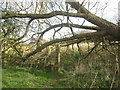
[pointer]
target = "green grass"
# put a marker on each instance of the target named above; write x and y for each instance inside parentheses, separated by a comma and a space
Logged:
(19, 77)
(97, 62)
(23, 77)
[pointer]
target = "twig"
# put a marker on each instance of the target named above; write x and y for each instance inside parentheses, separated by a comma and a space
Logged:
(92, 50)
(113, 80)
(94, 80)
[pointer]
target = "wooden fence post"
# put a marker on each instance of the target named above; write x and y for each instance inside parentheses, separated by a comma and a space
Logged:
(118, 77)
(58, 57)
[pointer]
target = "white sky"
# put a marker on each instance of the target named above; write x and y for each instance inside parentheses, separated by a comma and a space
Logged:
(110, 13)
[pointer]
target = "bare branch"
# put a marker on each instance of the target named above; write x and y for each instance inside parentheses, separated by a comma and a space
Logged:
(40, 16)
(71, 25)
(102, 23)
(96, 35)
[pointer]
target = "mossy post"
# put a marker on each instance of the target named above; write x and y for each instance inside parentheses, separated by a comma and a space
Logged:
(118, 52)
(119, 65)
(58, 57)
(118, 77)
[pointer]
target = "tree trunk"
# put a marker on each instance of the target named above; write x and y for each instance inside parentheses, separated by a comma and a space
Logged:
(58, 57)
(118, 77)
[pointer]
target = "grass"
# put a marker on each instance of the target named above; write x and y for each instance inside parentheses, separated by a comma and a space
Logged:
(23, 77)
(96, 71)
(20, 77)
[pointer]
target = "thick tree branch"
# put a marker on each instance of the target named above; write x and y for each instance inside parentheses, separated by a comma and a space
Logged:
(40, 16)
(72, 42)
(105, 28)
(88, 16)
(95, 35)
(102, 23)
(70, 25)
(27, 29)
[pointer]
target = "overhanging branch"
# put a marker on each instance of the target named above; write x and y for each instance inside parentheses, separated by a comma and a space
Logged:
(102, 23)
(70, 25)
(96, 35)
(40, 16)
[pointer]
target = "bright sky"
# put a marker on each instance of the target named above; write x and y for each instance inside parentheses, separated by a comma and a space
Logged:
(110, 13)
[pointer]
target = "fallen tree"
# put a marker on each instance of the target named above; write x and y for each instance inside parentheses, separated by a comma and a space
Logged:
(104, 28)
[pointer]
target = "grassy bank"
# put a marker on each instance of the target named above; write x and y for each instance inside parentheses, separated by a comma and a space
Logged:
(23, 77)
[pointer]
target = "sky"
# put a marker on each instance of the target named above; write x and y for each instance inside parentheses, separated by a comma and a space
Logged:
(110, 13)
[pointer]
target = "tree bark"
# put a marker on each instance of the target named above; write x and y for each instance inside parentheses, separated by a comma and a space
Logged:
(58, 57)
